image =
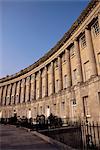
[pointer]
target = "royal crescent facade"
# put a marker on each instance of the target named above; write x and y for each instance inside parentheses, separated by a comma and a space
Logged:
(65, 81)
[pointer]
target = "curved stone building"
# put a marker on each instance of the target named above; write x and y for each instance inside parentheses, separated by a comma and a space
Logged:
(65, 81)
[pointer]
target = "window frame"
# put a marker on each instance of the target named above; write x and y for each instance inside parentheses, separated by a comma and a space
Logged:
(95, 28)
(85, 72)
(86, 110)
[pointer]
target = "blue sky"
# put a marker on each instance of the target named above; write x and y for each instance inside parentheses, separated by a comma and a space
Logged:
(29, 28)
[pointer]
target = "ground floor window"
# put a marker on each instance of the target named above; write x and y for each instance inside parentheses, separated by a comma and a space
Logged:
(99, 97)
(86, 106)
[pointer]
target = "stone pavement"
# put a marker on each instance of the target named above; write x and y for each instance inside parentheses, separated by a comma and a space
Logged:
(12, 138)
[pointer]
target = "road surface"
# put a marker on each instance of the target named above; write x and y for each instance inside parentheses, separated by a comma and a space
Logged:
(12, 138)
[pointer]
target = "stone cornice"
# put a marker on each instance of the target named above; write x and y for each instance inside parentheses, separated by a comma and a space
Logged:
(59, 44)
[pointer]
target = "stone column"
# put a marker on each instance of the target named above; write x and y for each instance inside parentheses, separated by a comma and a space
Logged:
(5, 95)
(33, 87)
(90, 52)
(18, 92)
(22, 94)
(78, 59)
(46, 82)
(13, 93)
(1, 92)
(9, 94)
(52, 76)
(27, 92)
(68, 65)
(60, 73)
(40, 85)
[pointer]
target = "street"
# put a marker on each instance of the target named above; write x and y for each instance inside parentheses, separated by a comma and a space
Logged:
(12, 138)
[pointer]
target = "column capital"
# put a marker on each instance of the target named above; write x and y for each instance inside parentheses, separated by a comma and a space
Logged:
(75, 39)
(98, 14)
(45, 68)
(67, 50)
(52, 63)
(18, 83)
(23, 81)
(14, 84)
(39, 72)
(28, 80)
(86, 27)
(59, 58)
(33, 75)
(32, 78)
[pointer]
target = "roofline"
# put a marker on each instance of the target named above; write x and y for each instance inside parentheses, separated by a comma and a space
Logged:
(60, 43)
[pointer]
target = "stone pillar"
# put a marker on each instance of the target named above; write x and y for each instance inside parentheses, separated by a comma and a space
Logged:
(60, 73)
(1, 92)
(13, 93)
(90, 52)
(27, 92)
(9, 94)
(22, 94)
(15, 85)
(52, 76)
(18, 92)
(40, 85)
(46, 82)
(33, 88)
(78, 59)
(5, 95)
(68, 65)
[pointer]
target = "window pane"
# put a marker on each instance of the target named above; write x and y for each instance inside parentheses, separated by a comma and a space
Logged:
(95, 28)
(86, 106)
